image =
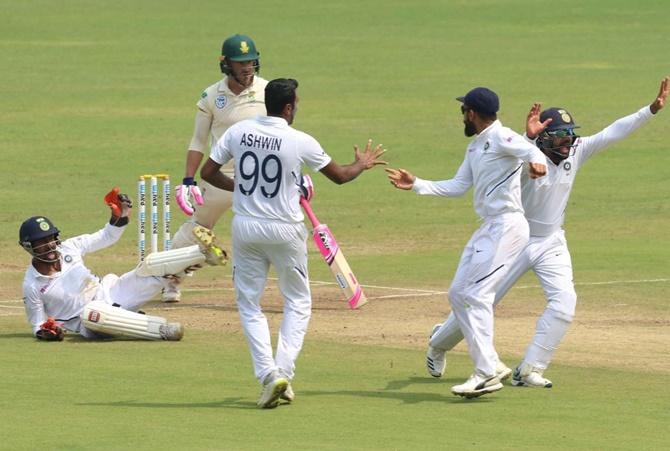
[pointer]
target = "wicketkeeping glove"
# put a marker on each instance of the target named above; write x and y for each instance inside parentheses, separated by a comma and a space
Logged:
(185, 192)
(120, 204)
(306, 187)
(50, 330)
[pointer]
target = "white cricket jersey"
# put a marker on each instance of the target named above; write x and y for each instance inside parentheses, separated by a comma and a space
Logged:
(268, 156)
(545, 199)
(64, 294)
(219, 108)
(492, 164)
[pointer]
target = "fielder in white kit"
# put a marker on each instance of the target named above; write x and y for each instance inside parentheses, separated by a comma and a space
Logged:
(268, 226)
(238, 96)
(547, 254)
(60, 293)
(492, 167)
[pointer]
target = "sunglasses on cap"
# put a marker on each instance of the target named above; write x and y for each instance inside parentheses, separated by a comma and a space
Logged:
(562, 133)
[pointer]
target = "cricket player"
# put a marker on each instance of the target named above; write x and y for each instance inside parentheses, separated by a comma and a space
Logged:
(240, 95)
(545, 201)
(60, 293)
(268, 226)
(492, 166)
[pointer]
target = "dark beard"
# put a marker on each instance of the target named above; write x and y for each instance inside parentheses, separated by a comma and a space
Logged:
(469, 129)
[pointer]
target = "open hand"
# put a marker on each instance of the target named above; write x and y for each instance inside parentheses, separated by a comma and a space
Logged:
(533, 125)
(400, 178)
(659, 103)
(369, 158)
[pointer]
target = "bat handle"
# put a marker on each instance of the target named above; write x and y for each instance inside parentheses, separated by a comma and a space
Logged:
(308, 211)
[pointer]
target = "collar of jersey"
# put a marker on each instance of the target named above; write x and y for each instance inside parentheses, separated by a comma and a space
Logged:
(272, 120)
(488, 130)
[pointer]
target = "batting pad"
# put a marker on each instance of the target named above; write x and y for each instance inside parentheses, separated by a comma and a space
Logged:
(170, 262)
(99, 316)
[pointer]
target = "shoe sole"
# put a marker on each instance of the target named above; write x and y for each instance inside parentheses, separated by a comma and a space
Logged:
(215, 254)
(518, 383)
(504, 375)
(481, 392)
(277, 391)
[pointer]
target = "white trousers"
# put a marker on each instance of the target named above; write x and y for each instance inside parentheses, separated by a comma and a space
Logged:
(257, 244)
(216, 203)
(550, 259)
(485, 261)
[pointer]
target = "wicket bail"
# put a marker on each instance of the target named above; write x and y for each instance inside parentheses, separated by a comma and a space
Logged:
(141, 197)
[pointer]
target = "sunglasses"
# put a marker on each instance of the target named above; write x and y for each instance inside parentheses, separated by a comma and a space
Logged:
(464, 109)
(562, 133)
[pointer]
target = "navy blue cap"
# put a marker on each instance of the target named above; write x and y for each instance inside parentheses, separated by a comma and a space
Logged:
(560, 119)
(481, 100)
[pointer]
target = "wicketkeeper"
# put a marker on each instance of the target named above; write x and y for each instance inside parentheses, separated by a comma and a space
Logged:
(61, 294)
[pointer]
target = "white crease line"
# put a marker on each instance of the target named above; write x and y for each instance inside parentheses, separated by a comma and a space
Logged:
(610, 282)
(11, 307)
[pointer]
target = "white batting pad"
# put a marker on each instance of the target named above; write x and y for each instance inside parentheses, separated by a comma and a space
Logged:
(170, 262)
(101, 317)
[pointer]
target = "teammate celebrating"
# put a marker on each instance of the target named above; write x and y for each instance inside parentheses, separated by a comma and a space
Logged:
(240, 95)
(492, 166)
(547, 251)
(60, 293)
(268, 226)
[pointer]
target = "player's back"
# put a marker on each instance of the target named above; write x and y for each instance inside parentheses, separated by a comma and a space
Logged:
(268, 156)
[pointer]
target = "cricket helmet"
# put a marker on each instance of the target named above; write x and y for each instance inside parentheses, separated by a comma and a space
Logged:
(34, 229)
(562, 125)
(239, 48)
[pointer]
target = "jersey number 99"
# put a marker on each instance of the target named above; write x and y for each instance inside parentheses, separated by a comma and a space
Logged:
(268, 172)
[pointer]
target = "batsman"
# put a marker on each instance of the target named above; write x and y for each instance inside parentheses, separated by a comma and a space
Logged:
(239, 95)
(545, 201)
(61, 294)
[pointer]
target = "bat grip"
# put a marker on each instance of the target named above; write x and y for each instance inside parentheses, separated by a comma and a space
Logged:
(308, 211)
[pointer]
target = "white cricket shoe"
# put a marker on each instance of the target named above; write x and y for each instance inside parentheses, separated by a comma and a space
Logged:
(214, 254)
(171, 331)
(273, 387)
(171, 292)
(526, 375)
(477, 385)
(436, 358)
(502, 371)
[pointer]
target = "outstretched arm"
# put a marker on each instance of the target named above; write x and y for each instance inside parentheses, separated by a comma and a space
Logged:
(363, 161)
(621, 128)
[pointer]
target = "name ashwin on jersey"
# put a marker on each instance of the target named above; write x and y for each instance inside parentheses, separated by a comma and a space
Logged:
(260, 141)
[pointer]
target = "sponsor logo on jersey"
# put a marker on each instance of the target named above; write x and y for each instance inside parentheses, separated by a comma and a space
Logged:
(486, 146)
(220, 102)
(203, 95)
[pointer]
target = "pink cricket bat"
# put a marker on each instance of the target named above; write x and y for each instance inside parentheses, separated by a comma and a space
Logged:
(325, 242)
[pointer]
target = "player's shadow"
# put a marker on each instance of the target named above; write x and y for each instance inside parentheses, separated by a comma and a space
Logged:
(404, 383)
(227, 403)
(440, 396)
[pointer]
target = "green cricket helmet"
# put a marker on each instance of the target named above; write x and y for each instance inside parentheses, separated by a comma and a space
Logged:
(239, 48)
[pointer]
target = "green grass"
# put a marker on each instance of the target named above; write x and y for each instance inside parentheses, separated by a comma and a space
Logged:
(95, 93)
(198, 394)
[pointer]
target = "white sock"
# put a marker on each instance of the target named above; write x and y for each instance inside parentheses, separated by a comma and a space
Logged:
(448, 335)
